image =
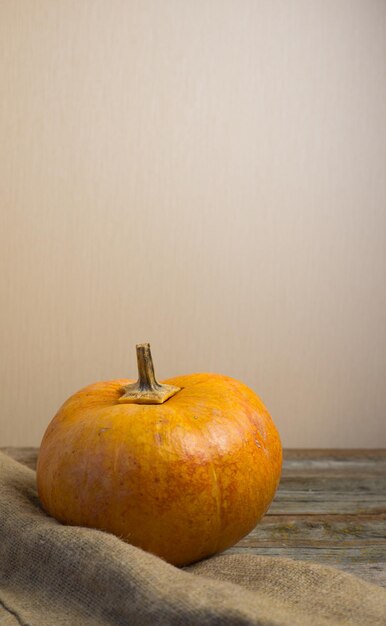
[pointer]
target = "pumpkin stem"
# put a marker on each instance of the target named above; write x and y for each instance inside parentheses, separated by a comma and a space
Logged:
(147, 389)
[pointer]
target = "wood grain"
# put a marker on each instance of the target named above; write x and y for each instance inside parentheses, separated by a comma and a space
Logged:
(330, 508)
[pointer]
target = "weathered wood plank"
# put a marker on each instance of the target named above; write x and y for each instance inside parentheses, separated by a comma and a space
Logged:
(330, 468)
(347, 462)
(363, 486)
(26, 456)
(332, 554)
(306, 502)
(339, 454)
(298, 531)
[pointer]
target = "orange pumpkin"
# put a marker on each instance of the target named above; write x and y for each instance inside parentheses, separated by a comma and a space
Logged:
(183, 469)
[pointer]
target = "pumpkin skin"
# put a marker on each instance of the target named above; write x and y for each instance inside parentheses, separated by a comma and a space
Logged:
(183, 480)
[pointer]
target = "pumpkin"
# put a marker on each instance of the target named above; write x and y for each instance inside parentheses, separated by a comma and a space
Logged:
(182, 469)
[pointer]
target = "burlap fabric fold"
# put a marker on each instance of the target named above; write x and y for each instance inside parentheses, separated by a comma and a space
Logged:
(55, 575)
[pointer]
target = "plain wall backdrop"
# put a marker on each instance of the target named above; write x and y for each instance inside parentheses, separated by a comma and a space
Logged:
(206, 175)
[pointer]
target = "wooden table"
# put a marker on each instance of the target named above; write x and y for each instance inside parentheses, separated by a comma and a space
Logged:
(330, 508)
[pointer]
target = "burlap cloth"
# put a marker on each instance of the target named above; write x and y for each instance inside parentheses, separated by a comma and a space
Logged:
(55, 575)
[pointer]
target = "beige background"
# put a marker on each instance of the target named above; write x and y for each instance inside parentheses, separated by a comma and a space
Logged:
(210, 176)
